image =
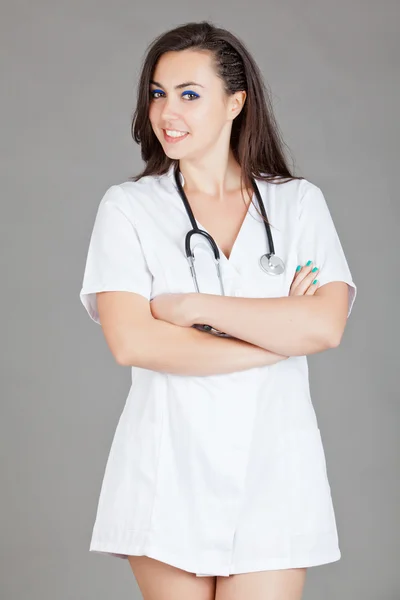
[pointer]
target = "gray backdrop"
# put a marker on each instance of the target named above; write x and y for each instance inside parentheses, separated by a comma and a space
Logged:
(69, 72)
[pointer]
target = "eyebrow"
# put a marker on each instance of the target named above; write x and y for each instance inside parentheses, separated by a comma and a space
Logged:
(181, 85)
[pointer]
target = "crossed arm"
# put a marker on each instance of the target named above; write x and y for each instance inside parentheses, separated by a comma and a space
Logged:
(265, 330)
(292, 325)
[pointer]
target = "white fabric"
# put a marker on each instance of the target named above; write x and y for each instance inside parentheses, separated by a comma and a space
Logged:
(226, 473)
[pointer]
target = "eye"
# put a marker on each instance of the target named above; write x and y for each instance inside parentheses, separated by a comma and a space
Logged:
(154, 92)
(191, 94)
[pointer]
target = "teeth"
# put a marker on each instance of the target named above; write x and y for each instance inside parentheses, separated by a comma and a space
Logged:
(174, 133)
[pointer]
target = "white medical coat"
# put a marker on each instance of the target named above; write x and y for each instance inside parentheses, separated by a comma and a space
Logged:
(225, 473)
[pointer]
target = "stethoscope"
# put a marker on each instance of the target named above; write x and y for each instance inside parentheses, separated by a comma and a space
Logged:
(269, 262)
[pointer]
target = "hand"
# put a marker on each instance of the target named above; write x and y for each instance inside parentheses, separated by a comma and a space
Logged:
(173, 308)
(302, 284)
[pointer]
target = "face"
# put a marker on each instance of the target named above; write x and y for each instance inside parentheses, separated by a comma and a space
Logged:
(188, 97)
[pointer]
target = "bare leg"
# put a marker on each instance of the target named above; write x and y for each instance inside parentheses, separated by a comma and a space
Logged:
(282, 584)
(160, 581)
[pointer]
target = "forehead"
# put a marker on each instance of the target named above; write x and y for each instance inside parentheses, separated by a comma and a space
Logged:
(174, 68)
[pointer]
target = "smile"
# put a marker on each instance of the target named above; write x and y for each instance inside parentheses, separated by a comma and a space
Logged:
(176, 136)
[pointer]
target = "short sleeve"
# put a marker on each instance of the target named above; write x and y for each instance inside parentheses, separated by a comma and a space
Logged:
(115, 259)
(318, 241)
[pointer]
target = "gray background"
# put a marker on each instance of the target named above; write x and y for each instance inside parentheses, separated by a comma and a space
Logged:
(69, 71)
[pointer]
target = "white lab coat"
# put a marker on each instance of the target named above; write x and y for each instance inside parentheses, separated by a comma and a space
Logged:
(225, 473)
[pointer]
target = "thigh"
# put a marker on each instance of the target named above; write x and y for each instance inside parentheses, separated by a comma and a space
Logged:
(282, 584)
(159, 581)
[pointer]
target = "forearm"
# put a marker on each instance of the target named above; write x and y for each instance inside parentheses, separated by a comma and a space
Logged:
(162, 346)
(289, 325)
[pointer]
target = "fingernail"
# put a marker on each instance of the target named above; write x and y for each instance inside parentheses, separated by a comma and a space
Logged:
(314, 269)
(309, 263)
(298, 268)
(315, 281)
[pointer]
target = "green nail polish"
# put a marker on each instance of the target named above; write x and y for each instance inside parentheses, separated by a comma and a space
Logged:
(315, 281)
(309, 263)
(314, 269)
(298, 268)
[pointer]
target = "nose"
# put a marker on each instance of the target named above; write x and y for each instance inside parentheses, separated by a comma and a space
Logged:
(170, 110)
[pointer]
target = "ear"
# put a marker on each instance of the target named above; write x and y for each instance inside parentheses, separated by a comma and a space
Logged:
(237, 102)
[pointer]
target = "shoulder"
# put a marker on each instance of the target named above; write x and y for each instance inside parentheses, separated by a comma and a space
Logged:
(311, 198)
(291, 187)
(289, 195)
(302, 194)
(130, 197)
(298, 188)
(144, 187)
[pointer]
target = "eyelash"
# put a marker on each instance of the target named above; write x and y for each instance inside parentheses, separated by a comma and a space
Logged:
(152, 92)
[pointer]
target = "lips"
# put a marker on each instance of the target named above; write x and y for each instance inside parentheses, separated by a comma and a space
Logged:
(174, 140)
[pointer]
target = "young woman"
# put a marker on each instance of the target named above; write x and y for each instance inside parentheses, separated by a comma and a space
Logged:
(216, 482)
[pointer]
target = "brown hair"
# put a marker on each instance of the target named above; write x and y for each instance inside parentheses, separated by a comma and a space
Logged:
(255, 141)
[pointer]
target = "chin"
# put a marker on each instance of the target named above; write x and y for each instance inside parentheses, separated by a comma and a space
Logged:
(174, 153)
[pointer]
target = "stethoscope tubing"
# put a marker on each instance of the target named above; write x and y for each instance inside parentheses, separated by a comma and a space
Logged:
(270, 256)
(196, 230)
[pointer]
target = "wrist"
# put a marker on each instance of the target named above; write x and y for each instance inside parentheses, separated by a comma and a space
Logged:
(194, 312)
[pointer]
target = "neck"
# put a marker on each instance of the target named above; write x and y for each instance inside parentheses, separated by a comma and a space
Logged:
(211, 177)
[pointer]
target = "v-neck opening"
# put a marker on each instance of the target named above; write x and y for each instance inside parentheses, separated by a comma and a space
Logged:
(236, 240)
(223, 256)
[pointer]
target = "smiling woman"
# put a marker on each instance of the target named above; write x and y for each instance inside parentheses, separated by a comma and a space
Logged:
(216, 483)
(177, 108)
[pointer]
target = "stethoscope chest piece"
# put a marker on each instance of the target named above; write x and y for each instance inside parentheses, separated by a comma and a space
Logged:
(272, 264)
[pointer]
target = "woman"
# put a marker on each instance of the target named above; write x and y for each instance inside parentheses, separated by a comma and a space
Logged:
(216, 484)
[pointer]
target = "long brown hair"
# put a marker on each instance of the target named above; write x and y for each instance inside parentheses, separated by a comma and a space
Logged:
(256, 141)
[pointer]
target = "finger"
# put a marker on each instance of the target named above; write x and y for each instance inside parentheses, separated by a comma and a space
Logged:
(306, 283)
(303, 278)
(312, 288)
(299, 277)
(303, 271)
